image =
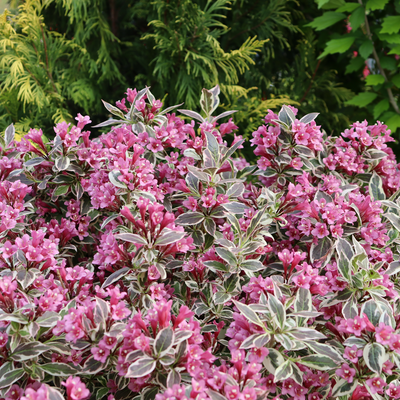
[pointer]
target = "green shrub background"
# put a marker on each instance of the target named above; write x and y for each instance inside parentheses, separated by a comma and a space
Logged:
(59, 58)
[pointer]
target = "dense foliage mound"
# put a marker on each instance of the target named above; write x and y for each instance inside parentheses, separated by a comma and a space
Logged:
(151, 263)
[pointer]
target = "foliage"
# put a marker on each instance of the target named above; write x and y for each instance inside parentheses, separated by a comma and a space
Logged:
(153, 262)
(369, 47)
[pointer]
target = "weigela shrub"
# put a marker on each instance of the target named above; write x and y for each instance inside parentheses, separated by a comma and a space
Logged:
(150, 262)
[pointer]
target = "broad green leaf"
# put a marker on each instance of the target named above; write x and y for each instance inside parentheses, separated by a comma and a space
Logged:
(374, 356)
(376, 187)
(190, 218)
(115, 276)
(373, 80)
(164, 340)
(391, 24)
(113, 177)
(319, 362)
(362, 99)
(284, 371)
(383, 105)
(393, 122)
(357, 18)
(320, 251)
(226, 255)
(344, 388)
(348, 7)
(366, 50)
(141, 367)
(131, 238)
(249, 314)
(168, 237)
(326, 19)
(394, 268)
(376, 4)
(355, 64)
(252, 265)
(273, 361)
(277, 309)
(338, 46)
(394, 219)
(396, 80)
(60, 190)
(10, 377)
(306, 334)
(325, 350)
(58, 369)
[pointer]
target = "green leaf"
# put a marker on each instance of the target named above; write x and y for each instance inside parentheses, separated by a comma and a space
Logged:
(141, 367)
(101, 392)
(393, 122)
(249, 314)
(62, 163)
(235, 207)
(169, 237)
(10, 377)
(226, 255)
(306, 334)
(60, 190)
(131, 238)
(357, 18)
(395, 50)
(348, 7)
(354, 65)
(394, 219)
(115, 276)
(376, 4)
(164, 340)
(48, 319)
(326, 19)
(396, 80)
(394, 268)
(277, 309)
(113, 177)
(190, 218)
(375, 80)
(27, 351)
(366, 50)
(319, 362)
(362, 99)
(381, 107)
(338, 46)
(252, 265)
(376, 187)
(303, 300)
(374, 354)
(343, 388)
(391, 24)
(326, 350)
(321, 250)
(221, 297)
(284, 371)
(58, 369)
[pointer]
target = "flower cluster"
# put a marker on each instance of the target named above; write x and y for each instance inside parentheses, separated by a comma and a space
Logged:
(153, 260)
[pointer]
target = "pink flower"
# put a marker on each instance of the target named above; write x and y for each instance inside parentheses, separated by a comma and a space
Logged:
(302, 281)
(356, 325)
(346, 373)
(352, 353)
(190, 203)
(384, 334)
(393, 391)
(257, 355)
(100, 353)
(76, 389)
(119, 311)
(320, 230)
(376, 385)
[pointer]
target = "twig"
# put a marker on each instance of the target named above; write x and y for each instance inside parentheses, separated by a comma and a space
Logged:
(47, 60)
(381, 70)
(311, 83)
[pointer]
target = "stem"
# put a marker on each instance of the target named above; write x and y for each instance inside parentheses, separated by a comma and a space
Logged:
(378, 63)
(47, 61)
(311, 83)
